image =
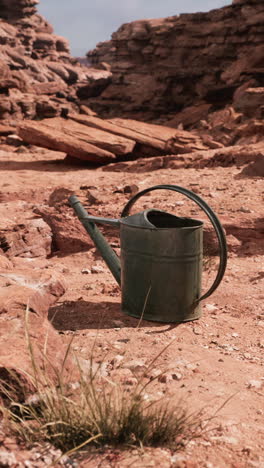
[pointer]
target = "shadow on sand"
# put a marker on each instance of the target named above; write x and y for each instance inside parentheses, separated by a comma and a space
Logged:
(57, 165)
(83, 315)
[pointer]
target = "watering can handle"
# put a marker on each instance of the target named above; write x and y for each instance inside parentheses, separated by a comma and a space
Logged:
(211, 215)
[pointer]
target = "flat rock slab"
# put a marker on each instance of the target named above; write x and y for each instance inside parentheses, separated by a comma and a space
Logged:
(102, 139)
(159, 137)
(112, 127)
(41, 134)
(92, 139)
(173, 140)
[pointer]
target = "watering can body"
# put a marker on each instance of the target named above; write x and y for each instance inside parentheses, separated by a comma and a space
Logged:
(160, 269)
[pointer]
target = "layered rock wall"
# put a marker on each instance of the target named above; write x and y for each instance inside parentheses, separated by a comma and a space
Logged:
(38, 76)
(160, 66)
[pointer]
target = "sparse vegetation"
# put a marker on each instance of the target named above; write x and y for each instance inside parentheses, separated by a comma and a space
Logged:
(92, 409)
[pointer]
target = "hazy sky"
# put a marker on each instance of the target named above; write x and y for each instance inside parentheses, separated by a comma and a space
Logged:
(87, 22)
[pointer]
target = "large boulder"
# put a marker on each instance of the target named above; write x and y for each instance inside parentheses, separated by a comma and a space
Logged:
(25, 297)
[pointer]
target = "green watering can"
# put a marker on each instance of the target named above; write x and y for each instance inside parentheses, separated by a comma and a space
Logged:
(160, 270)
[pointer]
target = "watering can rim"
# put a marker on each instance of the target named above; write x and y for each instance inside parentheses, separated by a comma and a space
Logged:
(125, 221)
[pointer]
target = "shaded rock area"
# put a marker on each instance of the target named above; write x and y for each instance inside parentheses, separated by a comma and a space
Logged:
(161, 66)
(38, 76)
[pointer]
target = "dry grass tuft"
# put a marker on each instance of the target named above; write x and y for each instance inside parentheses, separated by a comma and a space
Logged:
(94, 409)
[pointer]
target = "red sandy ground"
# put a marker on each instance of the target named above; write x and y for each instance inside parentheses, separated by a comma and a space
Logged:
(217, 358)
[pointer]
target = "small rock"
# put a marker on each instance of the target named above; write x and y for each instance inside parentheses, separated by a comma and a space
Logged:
(178, 458)
(119, 323)
(244, 210)
(176, 376)
(97, 269)
(255, 384)
(93, 198)
(136, 365)
(14, 140)
(260, 323)
(154, 374)
(213, 194)
(197, 331)
(86, 271)
(247, 356)
(179, 203)
(165, 378)
(130, 381)
(227, 440)
(227, 347)
(235, 335)
(131, 189)
(233, 241)
(123, 340)
(86, 187)
(191, 366)
(246, 450)
(211, 308)
(128, 189)
(7, 459)
(116, 361)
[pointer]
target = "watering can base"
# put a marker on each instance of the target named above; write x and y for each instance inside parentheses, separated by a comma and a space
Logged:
(188, 316)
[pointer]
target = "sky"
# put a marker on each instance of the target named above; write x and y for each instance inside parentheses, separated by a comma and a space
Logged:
(86, 22)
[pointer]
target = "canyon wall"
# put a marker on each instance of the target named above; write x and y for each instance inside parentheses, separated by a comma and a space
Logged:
(178, 68)
(161, 66)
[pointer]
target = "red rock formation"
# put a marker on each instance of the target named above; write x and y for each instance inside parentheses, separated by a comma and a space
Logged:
(12, 10)
(38, 77)
(161, 66)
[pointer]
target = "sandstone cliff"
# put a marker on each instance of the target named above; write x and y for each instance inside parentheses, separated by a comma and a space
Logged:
(206, 60)
(38, 76)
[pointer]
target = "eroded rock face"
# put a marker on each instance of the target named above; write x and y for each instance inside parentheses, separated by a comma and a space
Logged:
(12, 10)
(161, 66)
(38, 76)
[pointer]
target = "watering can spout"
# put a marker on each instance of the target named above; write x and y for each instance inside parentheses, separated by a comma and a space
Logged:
(108, 254)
